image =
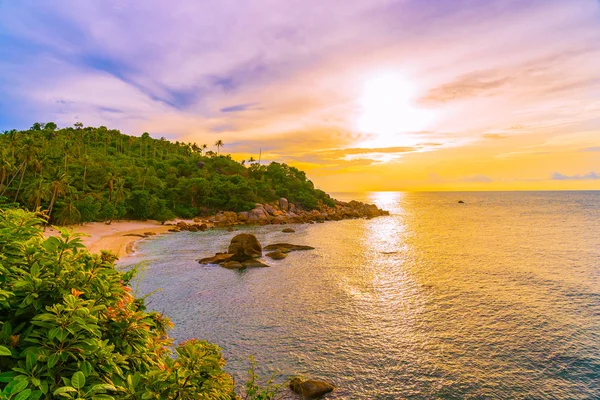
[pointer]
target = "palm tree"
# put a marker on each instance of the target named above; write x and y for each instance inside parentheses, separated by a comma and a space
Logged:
(37, 191)
(59, 185)
(119, 192)
(30, 151)
(219, 143)
(203, 148)
(251, 159)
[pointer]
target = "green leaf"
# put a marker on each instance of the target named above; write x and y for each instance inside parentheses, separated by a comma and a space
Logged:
(4, 351)
(23, 395)
(52, 360)
(64, 389)
(103, 387)
(86, 368)
(7, 376)
(102, 397)
(30, 360)
(78, 380)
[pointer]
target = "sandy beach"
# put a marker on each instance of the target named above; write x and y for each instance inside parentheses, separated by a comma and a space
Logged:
(119, 237)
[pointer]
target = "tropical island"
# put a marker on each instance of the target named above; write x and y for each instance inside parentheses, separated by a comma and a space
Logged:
(70, 326)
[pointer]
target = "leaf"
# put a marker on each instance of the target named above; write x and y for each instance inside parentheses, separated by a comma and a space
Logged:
(5, 351)
(52, 360)
(23, 395)
(7, 376)
(103, 387)
(78, 380)
(64, 389)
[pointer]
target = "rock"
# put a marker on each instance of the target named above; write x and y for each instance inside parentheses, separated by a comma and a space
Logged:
(203, 227)
(243, 216)
(244, 246)
(276, 255)
(283, 204)
(232, 265)
(461, 202)
(288, 230)
(310, 389)
(149, 233)
(269, 208)
(216, 259)
(174, 230)
(197, 220)
(287, 247)
(135, 234)
(254, 264)
(230, 229)
(279, 220)
(292, 207)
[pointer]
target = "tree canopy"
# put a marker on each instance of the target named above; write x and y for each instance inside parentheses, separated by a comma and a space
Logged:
(83, 174)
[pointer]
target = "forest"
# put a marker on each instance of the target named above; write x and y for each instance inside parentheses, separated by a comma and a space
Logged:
(83, 174)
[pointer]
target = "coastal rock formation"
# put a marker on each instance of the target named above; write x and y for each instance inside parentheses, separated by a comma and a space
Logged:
(218, 258)
(232, 265)
(287, 247)
(310, 389)
(244, 246)
(254, 264)
(276, 255)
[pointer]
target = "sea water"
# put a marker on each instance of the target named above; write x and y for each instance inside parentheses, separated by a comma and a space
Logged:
(496, 298)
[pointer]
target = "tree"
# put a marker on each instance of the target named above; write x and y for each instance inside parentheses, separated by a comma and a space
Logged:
(37, 191)
(59, 186)
(219, 143)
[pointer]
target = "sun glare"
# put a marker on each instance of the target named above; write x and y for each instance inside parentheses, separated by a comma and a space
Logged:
(387, 109)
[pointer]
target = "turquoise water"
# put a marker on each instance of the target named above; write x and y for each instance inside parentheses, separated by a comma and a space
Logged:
(496, 298)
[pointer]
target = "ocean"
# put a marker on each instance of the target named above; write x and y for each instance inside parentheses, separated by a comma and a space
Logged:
(496, 298)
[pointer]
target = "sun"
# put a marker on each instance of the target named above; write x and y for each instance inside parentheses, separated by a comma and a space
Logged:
(388, 111)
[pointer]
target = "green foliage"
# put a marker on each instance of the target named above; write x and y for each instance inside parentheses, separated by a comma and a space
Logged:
(84, 174)
(70, 328)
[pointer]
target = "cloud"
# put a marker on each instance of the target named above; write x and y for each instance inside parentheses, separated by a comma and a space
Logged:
(237, 107)
(477, 179)
(557, 176)
(494, 136)
(466, 86)
(590, 149)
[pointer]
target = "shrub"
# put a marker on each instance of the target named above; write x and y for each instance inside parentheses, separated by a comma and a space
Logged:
(70, 328)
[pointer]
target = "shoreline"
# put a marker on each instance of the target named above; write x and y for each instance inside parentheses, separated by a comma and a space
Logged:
(120, 237)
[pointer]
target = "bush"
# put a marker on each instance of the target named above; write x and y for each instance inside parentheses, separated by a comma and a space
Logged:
(70, 328)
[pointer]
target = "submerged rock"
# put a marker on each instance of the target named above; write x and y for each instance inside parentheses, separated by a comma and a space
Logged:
(288, 230)
(216, 259)
(232, 265)
(254, 264)
(244, 246)
(287, 247)
(276, 255)
(310, 389)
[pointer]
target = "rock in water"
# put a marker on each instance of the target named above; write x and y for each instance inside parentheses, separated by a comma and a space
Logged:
(254, 264)
(244, 246)
(216, 259)
(232, 265)
(287, 247)
(288, 230)
(310, 389)
(276, 255)
(461, 202)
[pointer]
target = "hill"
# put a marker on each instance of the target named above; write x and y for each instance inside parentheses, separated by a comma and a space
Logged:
(83, 174)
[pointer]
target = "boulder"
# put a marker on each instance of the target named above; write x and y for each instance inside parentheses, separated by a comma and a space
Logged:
(254, 264)
(283, 204)
(461, 202)
(279, 220)
(288, 230)
(287, 247)
(310, 389)
(269, 208)
(243, 216)
(216, 259)
(232, 265)
(276, 255)
(244, 246)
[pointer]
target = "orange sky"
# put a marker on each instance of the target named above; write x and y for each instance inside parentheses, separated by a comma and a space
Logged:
(380, 95)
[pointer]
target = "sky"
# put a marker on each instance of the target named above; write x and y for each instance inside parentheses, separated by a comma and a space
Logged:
(361, 94)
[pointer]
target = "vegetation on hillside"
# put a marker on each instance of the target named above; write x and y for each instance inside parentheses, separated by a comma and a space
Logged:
(70, 328)
(82, 174)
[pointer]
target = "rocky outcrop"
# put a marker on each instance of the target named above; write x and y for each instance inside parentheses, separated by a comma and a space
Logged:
(232, 265)
(310, 389)
(244, 247)
(276, 255)
(218, 258)
(254, 264)
(286, 247)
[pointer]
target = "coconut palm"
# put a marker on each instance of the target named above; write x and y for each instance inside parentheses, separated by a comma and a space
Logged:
(59, 186)
(37, 191)
(219, 143)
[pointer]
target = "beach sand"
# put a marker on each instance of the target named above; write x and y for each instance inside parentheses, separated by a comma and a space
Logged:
(119, 237)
